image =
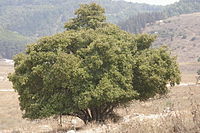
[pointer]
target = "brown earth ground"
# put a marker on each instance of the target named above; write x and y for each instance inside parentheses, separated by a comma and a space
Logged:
(180, 98)
(5, 68)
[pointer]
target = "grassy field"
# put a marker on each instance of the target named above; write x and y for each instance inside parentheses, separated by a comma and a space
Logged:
(175, 112)
(5, 68)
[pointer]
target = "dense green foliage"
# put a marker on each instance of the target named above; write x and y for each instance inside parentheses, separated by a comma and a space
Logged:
(154, 68)
(89, 69)
(88, 17)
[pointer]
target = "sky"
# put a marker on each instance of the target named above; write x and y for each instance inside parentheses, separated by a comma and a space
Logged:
(154, 2)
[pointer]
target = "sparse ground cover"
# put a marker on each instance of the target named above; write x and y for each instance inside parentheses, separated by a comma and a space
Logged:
(189, 71)
(180, 34)
(176, 112)
(5, 68)
(11, 118)
(180, 99)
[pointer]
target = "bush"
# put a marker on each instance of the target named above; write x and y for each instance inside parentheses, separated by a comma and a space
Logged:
(90, 69)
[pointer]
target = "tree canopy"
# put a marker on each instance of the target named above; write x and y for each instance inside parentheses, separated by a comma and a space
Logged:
(88, 16)
(90, 69)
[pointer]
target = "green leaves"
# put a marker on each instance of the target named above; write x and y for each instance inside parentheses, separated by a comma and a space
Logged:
(153, 70)
(88, 16)
(144, 41)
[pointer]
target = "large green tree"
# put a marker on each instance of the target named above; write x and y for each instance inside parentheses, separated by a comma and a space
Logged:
(90, 69)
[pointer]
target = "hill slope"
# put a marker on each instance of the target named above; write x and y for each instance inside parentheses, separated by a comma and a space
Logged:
(36, 18)
(26, 19)
(136, 23)
(181, 34)
(46, 17)
(12, 43)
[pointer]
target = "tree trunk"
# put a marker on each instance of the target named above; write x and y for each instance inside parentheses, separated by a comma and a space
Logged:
(60, 120)
(96, 114)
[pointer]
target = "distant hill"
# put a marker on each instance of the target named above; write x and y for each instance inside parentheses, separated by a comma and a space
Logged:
(23, 21)
(182, 7)
(35, 18)
(136, 23)
(181, 34)
(11, 43)
(46, 17)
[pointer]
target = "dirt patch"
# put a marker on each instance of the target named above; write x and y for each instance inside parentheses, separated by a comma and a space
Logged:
(5, 69)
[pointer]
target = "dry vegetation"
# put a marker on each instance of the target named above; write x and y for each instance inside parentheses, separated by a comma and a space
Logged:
(181, 34)
(5, 68)
(179, 112)
(11, 117)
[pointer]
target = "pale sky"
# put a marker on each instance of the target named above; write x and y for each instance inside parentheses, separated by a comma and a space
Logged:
(154, 2)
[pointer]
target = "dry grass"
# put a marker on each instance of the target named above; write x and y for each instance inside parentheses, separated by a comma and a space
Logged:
(11, 118)
(176, 109)
(182, 114)
(180, 34)
(4, 70)
(177, 112)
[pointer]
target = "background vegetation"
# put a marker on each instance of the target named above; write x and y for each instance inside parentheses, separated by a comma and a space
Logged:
(32, 19)
(136, 23)
(36, 18)
(12, 43)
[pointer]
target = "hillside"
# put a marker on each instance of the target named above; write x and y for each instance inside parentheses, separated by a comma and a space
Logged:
(136, 23)
(182, 7)
(180, 33)
(26, 20)
(46, 17)
(12, 43)
(32, 19)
